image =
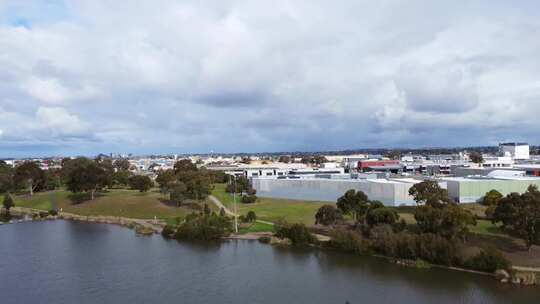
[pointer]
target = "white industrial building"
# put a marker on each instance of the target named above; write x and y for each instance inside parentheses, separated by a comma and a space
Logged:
(518, 151)
(391, 192)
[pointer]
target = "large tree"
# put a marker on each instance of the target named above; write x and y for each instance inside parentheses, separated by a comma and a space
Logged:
(520, 214)
(29, 174)
(429, 193)
(184, 165)
(86, 175)
(142, 183)
(476, 157)
(6, 177)
(354, 203)
(165, 180)
(122, 164)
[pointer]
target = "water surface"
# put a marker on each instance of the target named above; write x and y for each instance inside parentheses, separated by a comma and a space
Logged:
(70, 262)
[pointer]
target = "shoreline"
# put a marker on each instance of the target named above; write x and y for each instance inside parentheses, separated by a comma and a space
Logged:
(520, 276)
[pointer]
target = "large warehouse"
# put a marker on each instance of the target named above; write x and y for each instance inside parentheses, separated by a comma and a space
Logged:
(472, 189)
(393, 192)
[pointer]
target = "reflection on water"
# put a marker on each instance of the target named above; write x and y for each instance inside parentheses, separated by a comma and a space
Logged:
(69, 262)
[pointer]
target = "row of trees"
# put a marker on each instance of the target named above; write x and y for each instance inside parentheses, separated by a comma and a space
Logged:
(242, 186)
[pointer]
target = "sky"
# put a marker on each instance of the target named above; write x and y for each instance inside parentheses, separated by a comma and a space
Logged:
(97, 76)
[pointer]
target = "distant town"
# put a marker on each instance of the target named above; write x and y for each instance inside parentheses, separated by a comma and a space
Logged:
(467, 173)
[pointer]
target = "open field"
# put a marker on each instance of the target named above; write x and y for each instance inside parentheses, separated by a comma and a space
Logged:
(255, 227)
(125, 203)
(270, 209)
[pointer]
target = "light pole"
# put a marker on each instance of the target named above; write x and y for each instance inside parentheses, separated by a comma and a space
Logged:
(234, 203)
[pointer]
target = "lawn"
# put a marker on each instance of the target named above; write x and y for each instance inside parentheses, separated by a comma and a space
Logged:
(125, 203)
(487, 228)
(256, 227)
(270, 209)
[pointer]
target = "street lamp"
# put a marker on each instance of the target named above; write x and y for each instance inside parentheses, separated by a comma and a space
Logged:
(234, 203)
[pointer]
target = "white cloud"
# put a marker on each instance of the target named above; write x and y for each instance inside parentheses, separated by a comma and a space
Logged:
(195, 75)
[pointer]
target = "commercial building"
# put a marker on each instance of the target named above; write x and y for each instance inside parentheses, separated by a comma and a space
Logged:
(472, 189)
(518, 151)
(391, 192)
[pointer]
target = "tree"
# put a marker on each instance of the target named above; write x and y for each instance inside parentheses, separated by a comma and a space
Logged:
(450, 221)
(184, 165)
(328, 215)
(382, 215)
(165, 180)
(121, 177)
(122, 164)
(86, 175)
(8, 203)
(491, 200)
(140, 182)
(520, 214)
(178, 193)
(251, 216)
(6, 177)
(353, 203)
(30, 175)
(430, 193)
(284, 159)
(476, 157)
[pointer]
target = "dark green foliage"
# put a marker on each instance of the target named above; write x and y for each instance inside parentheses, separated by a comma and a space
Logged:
(476, 157)
(53, 212)
(222, 212)
(177, 193)
(328, 215)
(248, 199)
(520, 214)
(184, 165)
(348, 241)
(204, 227)
(43, 214)
(241, 185)
(140, 182)
(430, 193)
(206, 210)
(382, 215)
(492, 198)
(122, 164)
(298, 234)
(353, 203)
(197, 184)
(165, 180)
(168, 231)
(8, 202)
(450, 221)
(265, 239)
(30, 176)
(251, 217)
(85, 175)
(6, 177)
(121, 178)
(488, 260)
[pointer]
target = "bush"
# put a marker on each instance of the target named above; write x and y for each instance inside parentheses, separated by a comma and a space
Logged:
(348, 241)
(328, 215)
(43, 214)
(299, 234)
(249, 199)
(251, 217)
(53, 212)
(265, 239)
(204, 227)
(382, 215)
(168, 231)
(488, 260)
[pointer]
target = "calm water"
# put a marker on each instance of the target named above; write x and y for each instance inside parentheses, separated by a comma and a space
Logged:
(68, 262)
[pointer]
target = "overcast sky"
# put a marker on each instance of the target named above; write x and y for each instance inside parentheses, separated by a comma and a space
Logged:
(83, 77)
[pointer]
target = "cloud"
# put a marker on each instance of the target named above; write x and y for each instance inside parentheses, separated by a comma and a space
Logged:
(194, 76)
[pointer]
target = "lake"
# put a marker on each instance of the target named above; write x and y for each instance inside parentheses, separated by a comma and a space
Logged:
(71, 262)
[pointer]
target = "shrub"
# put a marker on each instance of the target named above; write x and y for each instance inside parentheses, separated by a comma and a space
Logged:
(251, 217)
(382, 215)
(249, 199)
(328, 215)
(299, 234)
(436, 249)
(265, 239)
(349, 241)
(168, 231)
(53, 212)
(488, 260)
(43, 214)
(204, 227)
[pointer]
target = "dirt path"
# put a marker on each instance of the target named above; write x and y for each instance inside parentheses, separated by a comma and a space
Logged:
(220, 205)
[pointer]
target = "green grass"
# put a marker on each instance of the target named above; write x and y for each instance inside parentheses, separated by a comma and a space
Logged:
(486, 227)
(270, 209)
(125, 203)
(256, 227)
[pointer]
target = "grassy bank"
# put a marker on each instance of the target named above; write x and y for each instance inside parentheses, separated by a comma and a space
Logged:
(269, 209)
(124, 203)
